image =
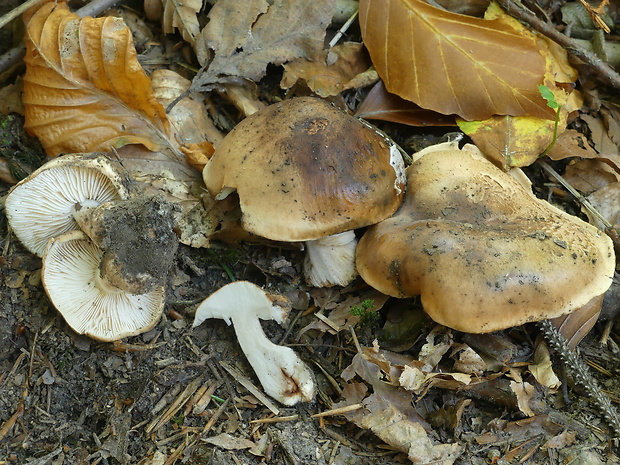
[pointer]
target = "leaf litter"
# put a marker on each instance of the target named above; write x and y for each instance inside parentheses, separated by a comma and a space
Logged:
(171, 385)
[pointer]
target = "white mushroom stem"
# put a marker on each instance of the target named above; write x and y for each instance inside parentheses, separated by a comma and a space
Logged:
(280, 371)
(82, 212)
(330, 261)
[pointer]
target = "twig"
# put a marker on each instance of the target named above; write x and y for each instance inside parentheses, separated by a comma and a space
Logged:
(598, 66)
(15, 12)
(14, 56)
(580, 198)
(581, 375)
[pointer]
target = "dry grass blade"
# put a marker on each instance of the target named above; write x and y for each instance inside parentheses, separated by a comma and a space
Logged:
(84, 89)
(453, 63)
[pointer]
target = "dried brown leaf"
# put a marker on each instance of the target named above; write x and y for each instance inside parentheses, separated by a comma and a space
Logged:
(451, 63)
(84, 89)
(332, 71)
(189, 116)
(182, 15)
(380, 104)
(389, 414)
(247, 36)
(590, 175)
(576, 325)
(607, 201)
(571, 143)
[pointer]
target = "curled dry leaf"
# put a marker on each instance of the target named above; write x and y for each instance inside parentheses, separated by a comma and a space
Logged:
(181, 15)
(451, 63)
(84, 89)
(247, 36)
(388, 411)
(342, 67)
(189, 116)
(607, 201)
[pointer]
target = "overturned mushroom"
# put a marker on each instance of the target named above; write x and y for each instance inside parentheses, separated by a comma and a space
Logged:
(281, 372)
(42, 206)
(89, 303)
(96, 195)
(304, 170)
(483, 253)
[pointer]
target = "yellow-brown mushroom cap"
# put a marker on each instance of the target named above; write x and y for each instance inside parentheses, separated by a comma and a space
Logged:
(304, 170)
(483, 253)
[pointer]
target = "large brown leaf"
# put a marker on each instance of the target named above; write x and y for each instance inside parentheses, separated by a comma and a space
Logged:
(84, 89)
(453, 63)
(247, 36)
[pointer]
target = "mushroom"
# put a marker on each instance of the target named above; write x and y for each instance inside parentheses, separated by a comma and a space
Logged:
(305, 170)
(42, 206)
(281, 372)
(90, 304)
(483, 253)
(96, 195)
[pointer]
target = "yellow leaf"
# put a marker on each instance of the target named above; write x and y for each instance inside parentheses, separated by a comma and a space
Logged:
(84, 89)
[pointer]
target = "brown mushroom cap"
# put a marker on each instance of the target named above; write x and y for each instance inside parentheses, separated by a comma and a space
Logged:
(304, 170)
(484, 253)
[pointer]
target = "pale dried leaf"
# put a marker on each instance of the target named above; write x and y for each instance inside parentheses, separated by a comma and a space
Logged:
(189, 116)
(229, 442)
(451, 63)
(606, 200)
(524, 392)
(389, 414)
(590, 175)
(247, 36)
(603, 143)
(469, 361)
(542, 368)
(560, 441)
(331, 72)
(84, 89)
(182, 15)
(571, 143)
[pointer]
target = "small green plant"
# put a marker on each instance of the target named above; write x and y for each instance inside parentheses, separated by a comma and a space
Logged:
(365, 311)
(551, 103)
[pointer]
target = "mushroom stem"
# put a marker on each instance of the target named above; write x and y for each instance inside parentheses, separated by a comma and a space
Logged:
(280, 371)
(330, 261)
(82, 214)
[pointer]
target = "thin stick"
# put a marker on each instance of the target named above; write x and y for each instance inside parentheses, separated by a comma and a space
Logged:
(598, 66)
(581, 375)
(343, 29)
(580, 198)
(15, 12)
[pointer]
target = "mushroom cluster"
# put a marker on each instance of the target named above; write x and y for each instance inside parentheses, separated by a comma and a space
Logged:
(306, 171)
(106, 248)
(482, 251)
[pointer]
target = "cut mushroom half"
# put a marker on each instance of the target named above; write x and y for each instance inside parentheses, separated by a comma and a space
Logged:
(90, 304)
(305, 170)
(46, 203)
(280, 371)
(483, 252)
